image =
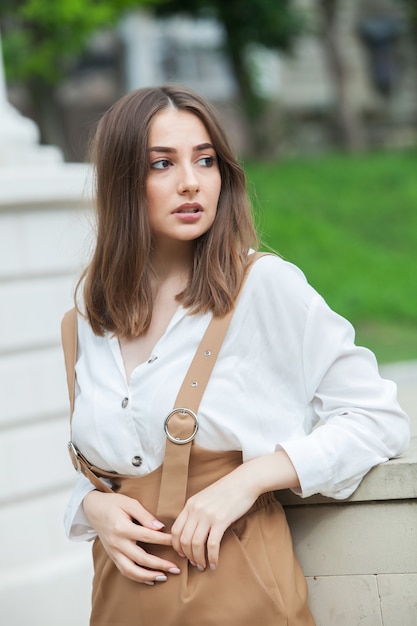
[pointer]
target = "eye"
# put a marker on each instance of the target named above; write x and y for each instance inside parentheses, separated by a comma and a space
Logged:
(162, 164)
(207, 161)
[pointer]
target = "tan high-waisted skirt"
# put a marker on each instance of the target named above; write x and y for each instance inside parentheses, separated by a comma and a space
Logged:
(258, 579)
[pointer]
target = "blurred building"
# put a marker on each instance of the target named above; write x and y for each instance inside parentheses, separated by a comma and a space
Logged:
(373, 39)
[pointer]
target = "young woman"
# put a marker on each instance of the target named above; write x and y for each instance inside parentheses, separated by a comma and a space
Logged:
(174, 240)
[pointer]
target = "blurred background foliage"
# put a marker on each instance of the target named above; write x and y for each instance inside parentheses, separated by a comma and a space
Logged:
(344, 210)
(42, 40)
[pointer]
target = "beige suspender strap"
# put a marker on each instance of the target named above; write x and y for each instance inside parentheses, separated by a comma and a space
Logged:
(181, 425)
(69, 335)
(69, 344)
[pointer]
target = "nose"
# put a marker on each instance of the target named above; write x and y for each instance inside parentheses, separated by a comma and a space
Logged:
(188, 181)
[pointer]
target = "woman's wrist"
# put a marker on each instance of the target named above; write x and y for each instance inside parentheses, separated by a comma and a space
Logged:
(269, 473)
(86, 504)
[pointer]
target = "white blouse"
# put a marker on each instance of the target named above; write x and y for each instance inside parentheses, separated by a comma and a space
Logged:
(287, 363)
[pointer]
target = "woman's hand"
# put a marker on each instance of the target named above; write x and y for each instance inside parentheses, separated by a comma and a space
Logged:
(121, 522)
(202, 523)
(205, 518)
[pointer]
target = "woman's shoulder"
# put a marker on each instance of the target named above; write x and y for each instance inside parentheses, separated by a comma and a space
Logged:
(86, 337)
(276, 286)
(276, 298)
(272, 271)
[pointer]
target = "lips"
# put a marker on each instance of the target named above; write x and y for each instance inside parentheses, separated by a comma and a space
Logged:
(189, 208)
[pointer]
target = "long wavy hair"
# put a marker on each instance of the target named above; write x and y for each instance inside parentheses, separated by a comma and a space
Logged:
(116, 284)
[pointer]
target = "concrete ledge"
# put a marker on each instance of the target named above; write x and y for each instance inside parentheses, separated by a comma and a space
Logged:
(394, 480)
(359, 555)
(356, 539)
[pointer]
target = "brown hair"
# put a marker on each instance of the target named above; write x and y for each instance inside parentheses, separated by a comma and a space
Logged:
(117, 285)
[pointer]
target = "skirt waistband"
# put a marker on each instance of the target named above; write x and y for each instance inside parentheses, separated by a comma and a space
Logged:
(96, 475)
(263, 500)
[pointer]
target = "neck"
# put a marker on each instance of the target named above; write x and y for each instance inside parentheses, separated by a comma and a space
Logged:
(171, 259)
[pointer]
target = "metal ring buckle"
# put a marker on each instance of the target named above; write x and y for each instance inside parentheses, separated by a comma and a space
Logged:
(74, 456)
(177, 440)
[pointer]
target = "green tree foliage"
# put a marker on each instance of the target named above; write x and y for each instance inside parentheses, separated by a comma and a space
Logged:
(43, 38)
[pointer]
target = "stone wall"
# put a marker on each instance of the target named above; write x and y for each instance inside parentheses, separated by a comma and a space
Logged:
(44, 580)
(360, 555)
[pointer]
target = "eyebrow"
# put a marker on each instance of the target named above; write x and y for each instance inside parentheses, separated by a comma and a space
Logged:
(199, 148)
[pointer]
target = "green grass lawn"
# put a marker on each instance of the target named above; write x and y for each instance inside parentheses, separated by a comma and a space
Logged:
(350, 223)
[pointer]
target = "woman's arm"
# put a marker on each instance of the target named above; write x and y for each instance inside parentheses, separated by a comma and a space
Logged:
(362, 423)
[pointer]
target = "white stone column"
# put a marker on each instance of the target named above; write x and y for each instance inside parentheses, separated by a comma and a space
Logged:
(142, 38)
(45, 221)
(19, 136)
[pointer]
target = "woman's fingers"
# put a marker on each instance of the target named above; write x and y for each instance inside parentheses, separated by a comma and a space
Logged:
(136, 563)
(200, 544)
(138, 533)
(191, 542)
(213, 547)
(125, 528)
(197, 536)
(138, 513)
(129, 553)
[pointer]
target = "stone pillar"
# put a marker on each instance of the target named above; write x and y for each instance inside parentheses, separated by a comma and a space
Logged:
(19, 136)
(45, 218)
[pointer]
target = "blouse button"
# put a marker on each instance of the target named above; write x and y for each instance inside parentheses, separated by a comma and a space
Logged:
(137, 461)
(152, 359)
(125, 402)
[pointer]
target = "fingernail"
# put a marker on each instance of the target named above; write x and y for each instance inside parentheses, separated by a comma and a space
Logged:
(193, 564)
(157, 525)
(200, 568)
(174, 570)
(212, 566)
(161, 579)
(149, 582)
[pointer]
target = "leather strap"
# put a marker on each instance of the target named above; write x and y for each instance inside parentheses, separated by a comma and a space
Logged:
(182, 424)
(69, 337)
(172, 494)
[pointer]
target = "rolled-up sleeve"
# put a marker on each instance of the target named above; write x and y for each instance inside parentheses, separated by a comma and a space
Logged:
(77, 527)
(360, 421)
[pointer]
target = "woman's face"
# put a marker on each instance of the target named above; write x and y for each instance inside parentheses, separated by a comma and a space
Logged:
(183, 183)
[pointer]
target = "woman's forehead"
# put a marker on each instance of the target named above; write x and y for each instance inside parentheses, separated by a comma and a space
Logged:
(171, 127)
